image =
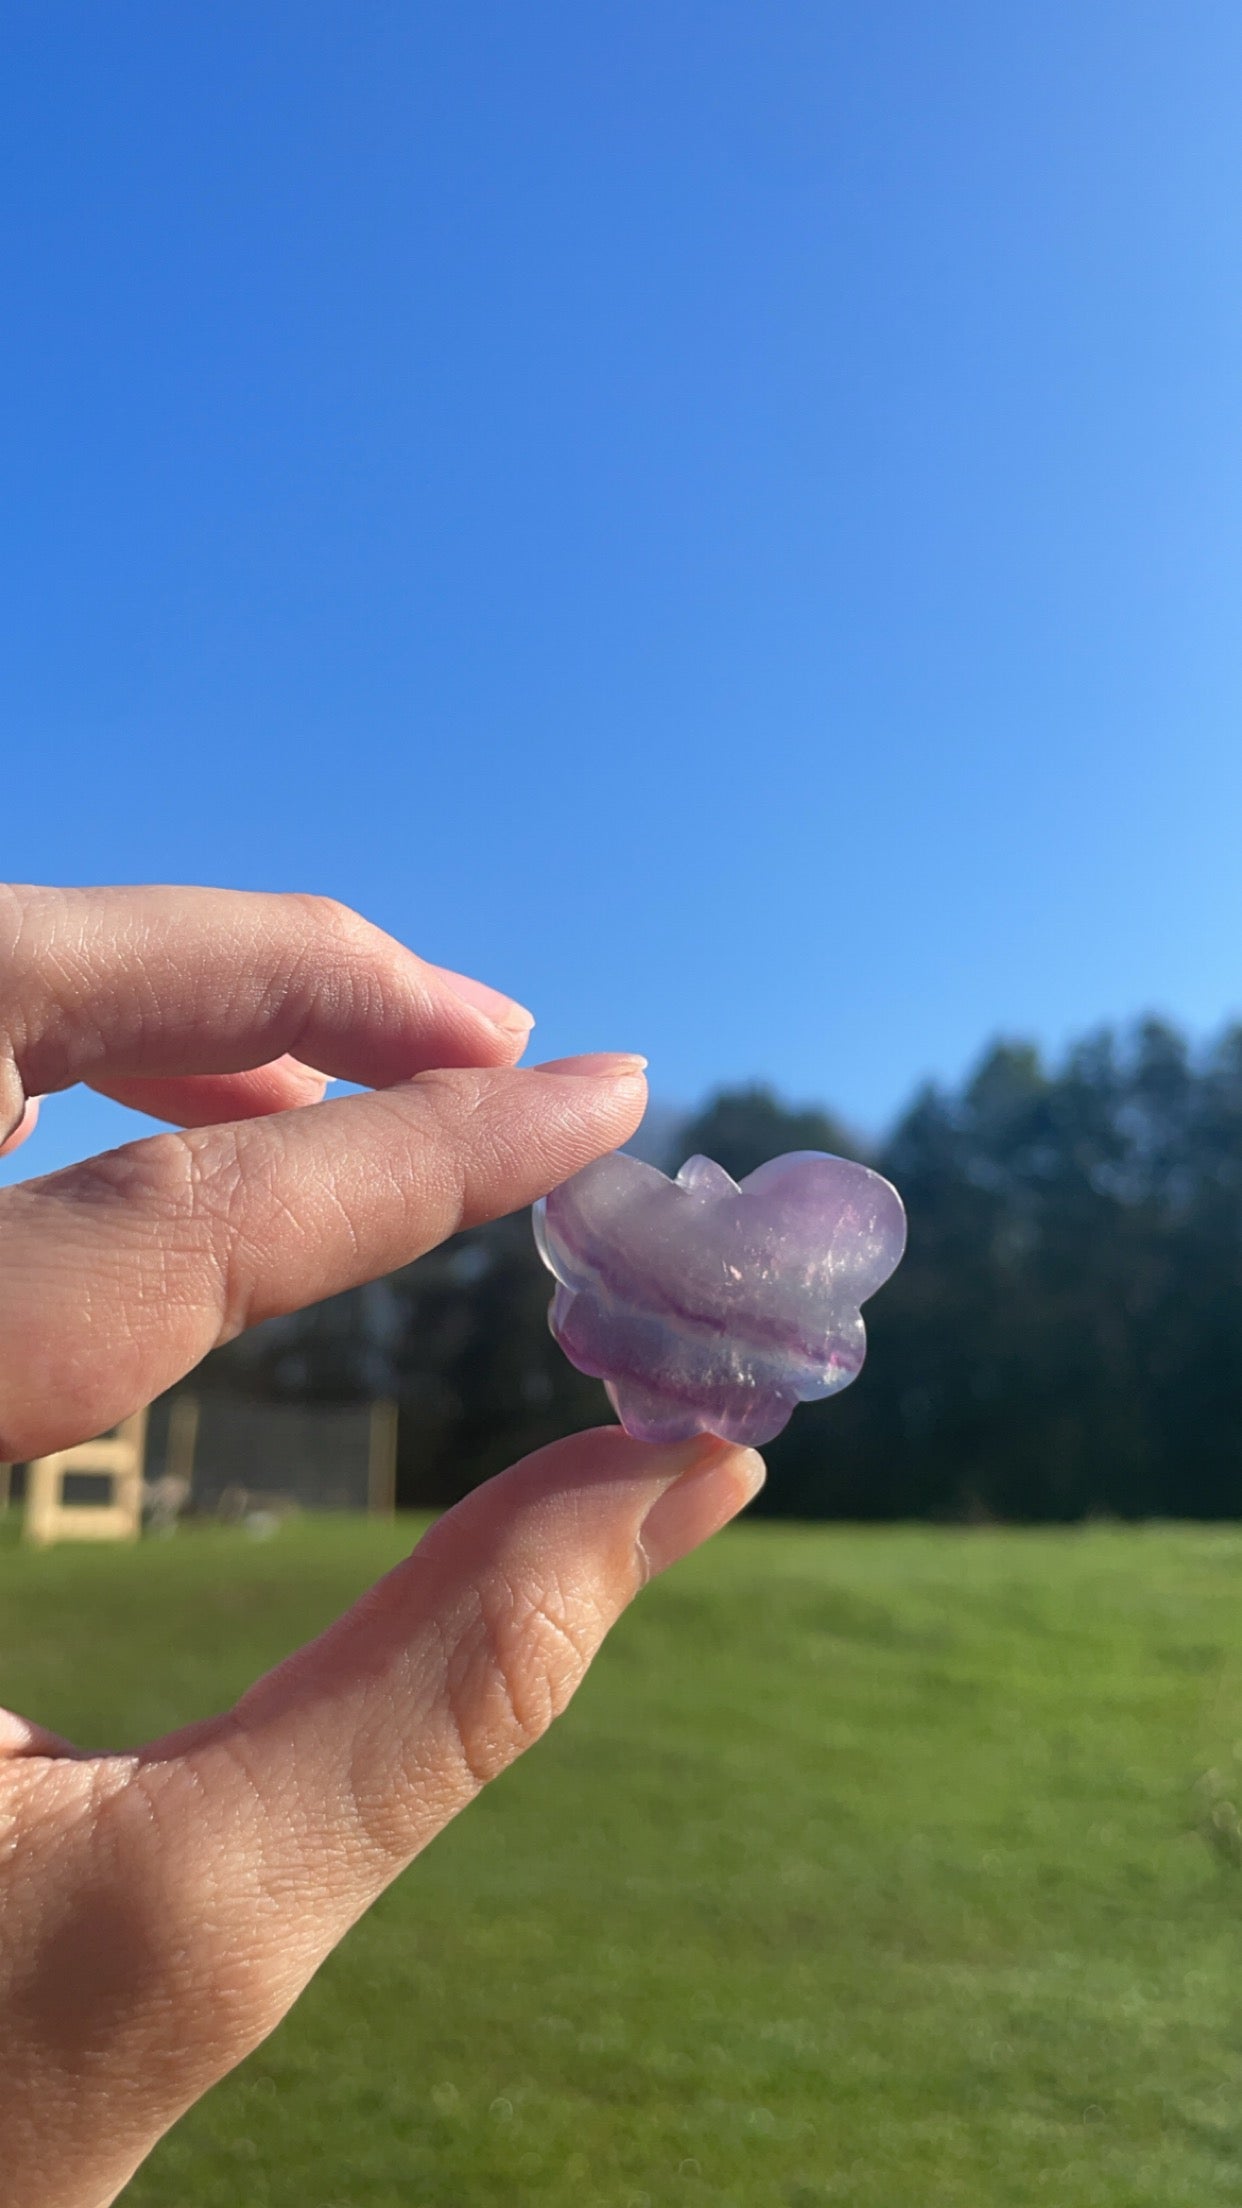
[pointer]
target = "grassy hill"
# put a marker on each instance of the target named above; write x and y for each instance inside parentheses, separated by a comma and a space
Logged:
(893, 1869)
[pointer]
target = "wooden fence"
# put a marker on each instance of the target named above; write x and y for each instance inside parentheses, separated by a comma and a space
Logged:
(210, 1456)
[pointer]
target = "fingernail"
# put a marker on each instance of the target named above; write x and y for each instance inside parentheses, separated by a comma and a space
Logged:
(503, 1012)
(599, 1065)
(21, 1127)
(698, 1504)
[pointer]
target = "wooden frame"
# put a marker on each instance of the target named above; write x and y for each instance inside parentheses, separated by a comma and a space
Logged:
(117, 1457)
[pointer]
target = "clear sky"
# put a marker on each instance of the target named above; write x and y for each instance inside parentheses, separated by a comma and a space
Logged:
(725, 520)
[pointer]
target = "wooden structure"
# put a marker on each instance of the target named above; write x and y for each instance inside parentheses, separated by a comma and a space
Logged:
(116, 1457)
(202, 1452)
(240, 1457)
(382, 1461)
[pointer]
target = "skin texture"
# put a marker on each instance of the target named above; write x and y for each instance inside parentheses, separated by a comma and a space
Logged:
(161, 1909)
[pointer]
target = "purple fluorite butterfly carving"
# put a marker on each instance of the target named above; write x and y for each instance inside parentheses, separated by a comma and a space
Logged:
(709, 1306)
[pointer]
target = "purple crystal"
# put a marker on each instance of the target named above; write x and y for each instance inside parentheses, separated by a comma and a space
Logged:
(713, 1307)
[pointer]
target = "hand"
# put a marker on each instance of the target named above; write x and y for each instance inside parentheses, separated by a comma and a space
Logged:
(161, 1910)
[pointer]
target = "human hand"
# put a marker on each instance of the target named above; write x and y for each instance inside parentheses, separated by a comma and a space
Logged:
(160, 1910)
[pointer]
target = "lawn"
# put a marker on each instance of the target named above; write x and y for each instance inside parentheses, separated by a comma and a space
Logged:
(870, 1867)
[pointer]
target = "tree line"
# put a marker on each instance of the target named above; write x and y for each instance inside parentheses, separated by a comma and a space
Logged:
(1063, 1338)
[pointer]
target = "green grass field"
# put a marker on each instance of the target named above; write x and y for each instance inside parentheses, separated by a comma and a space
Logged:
(874, 1868)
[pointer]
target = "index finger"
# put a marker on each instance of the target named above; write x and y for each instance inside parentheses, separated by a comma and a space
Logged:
(97, 983)
(119, 1274)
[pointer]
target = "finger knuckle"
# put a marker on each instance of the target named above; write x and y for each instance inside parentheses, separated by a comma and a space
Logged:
(466, 1145)
(14, 906)
(338, 965)
(451, 1096)
(144, 1247)
(233, 1203)
(176, 1202)
(140, 1183)
(514, 1669)
(15, 971)
(214, 1972)
(327, 920)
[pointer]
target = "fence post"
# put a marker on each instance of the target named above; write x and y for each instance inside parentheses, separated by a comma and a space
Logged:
(382, 1461)
(182, 1439)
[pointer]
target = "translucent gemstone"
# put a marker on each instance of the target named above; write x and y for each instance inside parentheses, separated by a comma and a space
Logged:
(709, 1306)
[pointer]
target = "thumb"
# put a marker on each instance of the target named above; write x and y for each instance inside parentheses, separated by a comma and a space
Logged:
(337, 1768)
(237, 1853)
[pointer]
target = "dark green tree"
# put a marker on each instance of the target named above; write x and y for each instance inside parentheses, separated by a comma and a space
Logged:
(1063, 1337)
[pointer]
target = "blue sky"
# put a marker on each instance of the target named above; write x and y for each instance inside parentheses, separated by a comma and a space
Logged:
(723, 519)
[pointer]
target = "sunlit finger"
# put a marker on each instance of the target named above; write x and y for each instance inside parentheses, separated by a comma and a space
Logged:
(155, 982)
(118, 1275)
